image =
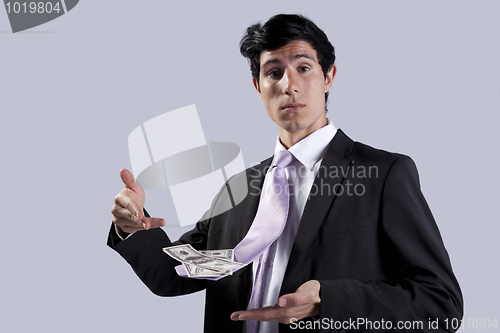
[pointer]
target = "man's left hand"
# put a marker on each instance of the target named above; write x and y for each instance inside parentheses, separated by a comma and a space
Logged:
(305, 302)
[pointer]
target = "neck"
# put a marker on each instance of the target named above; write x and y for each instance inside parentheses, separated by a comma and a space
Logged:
(288, 138)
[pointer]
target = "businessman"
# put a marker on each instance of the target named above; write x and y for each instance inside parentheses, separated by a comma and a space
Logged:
(351, 246)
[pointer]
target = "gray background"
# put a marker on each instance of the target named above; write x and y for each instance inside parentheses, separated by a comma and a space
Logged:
(417, 77)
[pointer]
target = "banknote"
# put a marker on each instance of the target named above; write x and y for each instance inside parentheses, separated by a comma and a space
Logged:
(197, 271)
(187, 254)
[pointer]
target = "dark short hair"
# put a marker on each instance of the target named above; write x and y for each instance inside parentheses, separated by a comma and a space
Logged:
(280, 30)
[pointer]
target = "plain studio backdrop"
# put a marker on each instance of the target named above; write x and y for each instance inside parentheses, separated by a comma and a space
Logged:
(416, 77)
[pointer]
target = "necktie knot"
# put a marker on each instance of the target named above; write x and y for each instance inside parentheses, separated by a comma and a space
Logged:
(282, 159)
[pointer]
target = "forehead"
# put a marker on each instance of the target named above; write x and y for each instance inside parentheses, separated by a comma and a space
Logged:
(289, 52)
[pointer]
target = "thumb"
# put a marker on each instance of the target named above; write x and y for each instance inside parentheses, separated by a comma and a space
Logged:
(153, 222)
(128, 179)
(291, 300)
(307, 293)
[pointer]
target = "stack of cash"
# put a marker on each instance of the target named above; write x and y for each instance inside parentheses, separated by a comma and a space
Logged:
(209, 263)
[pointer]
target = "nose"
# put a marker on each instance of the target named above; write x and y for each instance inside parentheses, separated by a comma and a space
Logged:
(290, 82)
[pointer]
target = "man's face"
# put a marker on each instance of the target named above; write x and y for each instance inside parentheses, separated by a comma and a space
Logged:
(293, 86)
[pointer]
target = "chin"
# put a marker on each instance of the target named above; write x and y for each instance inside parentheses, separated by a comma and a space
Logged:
(292, 127)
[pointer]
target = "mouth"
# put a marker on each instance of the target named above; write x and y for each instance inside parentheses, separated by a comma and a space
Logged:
(292, 107)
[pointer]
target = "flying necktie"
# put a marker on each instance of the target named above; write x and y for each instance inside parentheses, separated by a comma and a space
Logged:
(267, 226)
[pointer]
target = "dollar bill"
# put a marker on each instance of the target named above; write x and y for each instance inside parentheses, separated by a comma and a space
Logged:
(186, 254)
(197, 271)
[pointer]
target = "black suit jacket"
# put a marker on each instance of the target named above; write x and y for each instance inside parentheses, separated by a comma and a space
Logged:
(366, 234)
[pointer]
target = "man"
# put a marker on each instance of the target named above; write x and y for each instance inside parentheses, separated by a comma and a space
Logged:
(359, 250)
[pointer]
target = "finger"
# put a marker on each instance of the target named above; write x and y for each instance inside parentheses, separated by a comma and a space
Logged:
(153, 222)
(146, 224)
(278, 314)
(307, 293)
(129, 204)
(131, 230)
(120, 212)
(128, 226)
(236, 315)
(295, 299)
(268, 313)
(274, 313)
(128, 179)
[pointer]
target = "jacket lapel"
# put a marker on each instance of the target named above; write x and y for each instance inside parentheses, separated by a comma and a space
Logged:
(321, 198)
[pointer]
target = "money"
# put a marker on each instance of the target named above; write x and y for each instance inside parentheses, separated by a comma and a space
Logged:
(198, 271)
(210, 263)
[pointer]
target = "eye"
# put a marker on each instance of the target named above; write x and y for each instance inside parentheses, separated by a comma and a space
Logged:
(274, 73)
(304, 69)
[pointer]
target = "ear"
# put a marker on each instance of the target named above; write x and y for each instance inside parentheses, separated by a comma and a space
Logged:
(256, 85)
(329, 77)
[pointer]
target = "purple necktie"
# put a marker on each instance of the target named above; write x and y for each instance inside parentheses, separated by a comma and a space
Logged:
(271, 214)
(267, 226)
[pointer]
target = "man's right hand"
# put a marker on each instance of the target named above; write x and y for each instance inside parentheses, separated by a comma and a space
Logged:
(127, 211)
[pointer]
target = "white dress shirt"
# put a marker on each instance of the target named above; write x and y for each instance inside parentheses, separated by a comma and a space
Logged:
(308, 154)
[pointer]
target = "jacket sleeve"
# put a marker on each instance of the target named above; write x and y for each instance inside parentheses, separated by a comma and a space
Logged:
(143, 251)
(421, 290)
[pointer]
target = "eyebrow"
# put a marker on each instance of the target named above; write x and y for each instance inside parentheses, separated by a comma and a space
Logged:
(295, 57)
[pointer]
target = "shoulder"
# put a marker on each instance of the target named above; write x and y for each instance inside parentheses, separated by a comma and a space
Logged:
(363, 155)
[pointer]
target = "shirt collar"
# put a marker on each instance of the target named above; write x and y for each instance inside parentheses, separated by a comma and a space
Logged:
(312, 148)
